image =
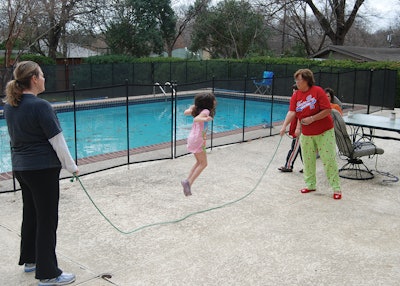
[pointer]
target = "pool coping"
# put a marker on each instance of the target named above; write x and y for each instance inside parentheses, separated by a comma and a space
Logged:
(155, 97)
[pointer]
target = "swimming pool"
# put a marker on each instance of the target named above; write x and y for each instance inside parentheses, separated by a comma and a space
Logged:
(103, 130)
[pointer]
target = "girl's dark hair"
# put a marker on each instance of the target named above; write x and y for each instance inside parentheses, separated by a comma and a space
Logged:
(204, 101)
(23, 73)
(331, 93)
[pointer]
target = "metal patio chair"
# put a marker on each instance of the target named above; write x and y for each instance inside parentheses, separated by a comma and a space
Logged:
(355, 168)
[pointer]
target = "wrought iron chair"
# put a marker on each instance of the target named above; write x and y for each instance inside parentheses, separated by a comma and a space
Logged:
(355, 168)
(265, 85)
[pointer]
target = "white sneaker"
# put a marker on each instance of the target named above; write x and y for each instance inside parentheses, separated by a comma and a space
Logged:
(63, 279)
(29, 267)
(186, 188)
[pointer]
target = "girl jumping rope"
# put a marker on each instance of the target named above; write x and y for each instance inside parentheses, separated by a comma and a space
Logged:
(202, 111)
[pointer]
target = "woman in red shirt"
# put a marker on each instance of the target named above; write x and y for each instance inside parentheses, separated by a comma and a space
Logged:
(312, 107)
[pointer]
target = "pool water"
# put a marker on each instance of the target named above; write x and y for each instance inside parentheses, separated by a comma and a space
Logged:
(101, 131)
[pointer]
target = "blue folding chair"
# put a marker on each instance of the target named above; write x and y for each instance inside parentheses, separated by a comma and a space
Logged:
(265, 85)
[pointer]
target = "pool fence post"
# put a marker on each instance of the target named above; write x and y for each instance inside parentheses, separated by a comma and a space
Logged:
(353, 99)
(14, 184)
(212, 122)
(13, 174)
(272, 106)
(174, 99)
(75, 131)
(338, 85)
(244, 108)
(384, 87)
(369, 89)
(127, 119)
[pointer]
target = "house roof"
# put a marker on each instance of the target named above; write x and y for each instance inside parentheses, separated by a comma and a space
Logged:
(358, 53)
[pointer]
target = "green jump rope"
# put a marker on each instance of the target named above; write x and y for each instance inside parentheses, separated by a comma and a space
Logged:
(75, 177)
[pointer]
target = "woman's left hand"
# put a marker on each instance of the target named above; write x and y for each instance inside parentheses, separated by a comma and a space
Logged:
(307, 120)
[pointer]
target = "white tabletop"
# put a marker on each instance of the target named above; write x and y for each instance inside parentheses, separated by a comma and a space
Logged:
(373, 121)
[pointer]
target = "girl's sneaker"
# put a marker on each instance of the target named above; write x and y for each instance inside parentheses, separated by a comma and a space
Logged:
(186, 188)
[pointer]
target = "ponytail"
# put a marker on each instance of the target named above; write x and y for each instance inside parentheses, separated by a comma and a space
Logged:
(23, 73)
(13, 93)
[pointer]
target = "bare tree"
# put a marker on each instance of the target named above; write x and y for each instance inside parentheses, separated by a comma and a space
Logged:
(15, 15)
(73, 13)
(338, 23)
(55, 19)
(296, 31)
(14, 18)
(304, 28)
(310, 22)
(44, 25)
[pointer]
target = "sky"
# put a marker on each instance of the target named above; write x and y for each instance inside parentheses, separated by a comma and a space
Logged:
(387, 11)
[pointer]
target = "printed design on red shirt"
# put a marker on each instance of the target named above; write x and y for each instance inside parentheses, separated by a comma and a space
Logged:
(310, 102)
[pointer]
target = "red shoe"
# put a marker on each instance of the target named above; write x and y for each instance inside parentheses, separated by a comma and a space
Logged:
(304, 191)
(337, 196)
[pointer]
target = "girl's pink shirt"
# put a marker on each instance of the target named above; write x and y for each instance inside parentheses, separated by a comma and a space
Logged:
(195, 141)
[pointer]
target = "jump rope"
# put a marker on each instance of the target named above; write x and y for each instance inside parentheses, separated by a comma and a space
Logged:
(76, 178)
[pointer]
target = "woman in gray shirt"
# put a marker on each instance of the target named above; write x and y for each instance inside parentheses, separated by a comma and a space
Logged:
(38, 152)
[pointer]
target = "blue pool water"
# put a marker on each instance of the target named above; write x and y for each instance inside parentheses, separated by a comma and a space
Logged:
(103, 130)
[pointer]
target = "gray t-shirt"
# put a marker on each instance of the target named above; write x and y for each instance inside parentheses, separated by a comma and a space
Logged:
(30, 125)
